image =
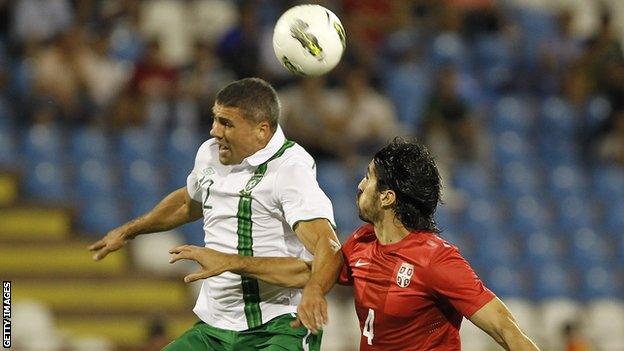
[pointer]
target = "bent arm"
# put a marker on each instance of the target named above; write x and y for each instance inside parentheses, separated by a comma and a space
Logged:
(319, 237)
(287, 272)
(174, 210)
(495, 319)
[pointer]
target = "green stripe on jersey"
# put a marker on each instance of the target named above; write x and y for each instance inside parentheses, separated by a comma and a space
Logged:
(251, 292)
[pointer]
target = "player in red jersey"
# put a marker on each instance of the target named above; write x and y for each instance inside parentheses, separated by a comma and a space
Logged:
(411, 288)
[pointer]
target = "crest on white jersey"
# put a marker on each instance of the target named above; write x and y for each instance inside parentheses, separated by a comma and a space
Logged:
(404, 275)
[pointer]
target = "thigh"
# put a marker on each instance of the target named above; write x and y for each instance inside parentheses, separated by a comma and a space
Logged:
(278, 335)
(202, 337)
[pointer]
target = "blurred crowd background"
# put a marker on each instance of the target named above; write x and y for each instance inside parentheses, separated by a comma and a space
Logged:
(104, 103)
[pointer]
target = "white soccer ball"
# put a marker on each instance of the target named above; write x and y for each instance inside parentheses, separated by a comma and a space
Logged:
(309, 40)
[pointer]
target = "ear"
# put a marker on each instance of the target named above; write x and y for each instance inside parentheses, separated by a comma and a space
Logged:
(263, 130)
(387, 198)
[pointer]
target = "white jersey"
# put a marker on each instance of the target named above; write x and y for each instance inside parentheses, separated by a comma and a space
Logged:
(250, 209)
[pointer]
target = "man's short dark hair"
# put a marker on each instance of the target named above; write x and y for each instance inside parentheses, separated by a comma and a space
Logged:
(255, 97)
(407, 168)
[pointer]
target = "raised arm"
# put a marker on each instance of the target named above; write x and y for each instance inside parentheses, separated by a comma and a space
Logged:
(495, 319)
(289, 272)
(175, 209)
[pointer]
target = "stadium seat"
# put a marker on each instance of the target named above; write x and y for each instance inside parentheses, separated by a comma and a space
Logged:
(142, 178)
(448, 49)
(43, 143)
(608, 183)
(509, 147)
(565, 181)
(194, 233)
(334, 178)
(598, 110)
(558, 118)
(408, 86)
(599, 282)
(94, 178)
(518, 179)
(587, 246)
(46, 180)
(552, 280)
(8, 151)
(506, 281)
(481, 219)
(511, 113)
(573, 212)
(138, 144)
(90, 143)
(99, 216)
(604, 323)
(542, 247)
(473, 179)
(181, 148)
(529, 215)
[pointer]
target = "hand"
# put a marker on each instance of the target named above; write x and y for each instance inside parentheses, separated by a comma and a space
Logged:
(211, 261)
(113, 241)
(312, 310)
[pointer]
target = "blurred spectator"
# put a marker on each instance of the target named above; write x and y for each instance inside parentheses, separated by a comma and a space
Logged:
(574, 340)
(238, 49)
(35, 20)
(308, 118)
(611, 146)
(126, 42)
(448, 126)
(156, 334)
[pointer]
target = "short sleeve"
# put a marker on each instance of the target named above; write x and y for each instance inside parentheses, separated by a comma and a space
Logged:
(299, 194)
(192, 186)
(451, 276)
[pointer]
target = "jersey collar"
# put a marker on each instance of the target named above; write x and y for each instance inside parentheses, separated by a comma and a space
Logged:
(262, 155)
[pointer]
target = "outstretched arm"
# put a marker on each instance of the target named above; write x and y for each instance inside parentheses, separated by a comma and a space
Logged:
(495, 319)
(288, 272)
(174, 210)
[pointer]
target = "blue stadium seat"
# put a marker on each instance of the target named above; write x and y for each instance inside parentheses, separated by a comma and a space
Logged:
(491, 50)
(46, 180)
(409, 86)
(94, 179)
(565, 181)
(537, 28)
(448, 49)
(558, 151)
(194, 233)
(472, 179)
(553, 280)
(181, 148)
(519, 179)
(542, 247)
(573, 212)
(334, 178)
(510, 146)
(481, 219)
(496, 248)
(598, 110)
(558, 118)
(506, 281)
(511, 113)
(345, 212)
(614, 219)
(90, 143)
(43, 143)
(445, 218)
(138, 144)
(588, 246)
(599, 282)
(608, 183)
(529, 215)
(8, 151)
(100, 215)
(141, 178)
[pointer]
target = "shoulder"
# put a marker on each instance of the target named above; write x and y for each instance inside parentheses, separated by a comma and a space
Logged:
(207, 150)
(365, 234)
(295, 157)
(430, 249)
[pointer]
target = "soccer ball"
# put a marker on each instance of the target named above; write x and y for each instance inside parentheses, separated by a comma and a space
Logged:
(309, 40)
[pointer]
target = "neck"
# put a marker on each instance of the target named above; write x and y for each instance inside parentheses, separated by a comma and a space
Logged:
(389, 229)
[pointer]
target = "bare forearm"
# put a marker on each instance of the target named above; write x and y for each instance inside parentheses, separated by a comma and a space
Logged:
(513, 339)
(169, 213)
(325, 266)
(288, 272)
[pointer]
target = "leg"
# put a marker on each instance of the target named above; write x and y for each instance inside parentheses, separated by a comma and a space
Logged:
(278, 335)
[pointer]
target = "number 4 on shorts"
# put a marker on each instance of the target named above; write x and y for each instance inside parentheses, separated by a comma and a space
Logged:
(368, 331)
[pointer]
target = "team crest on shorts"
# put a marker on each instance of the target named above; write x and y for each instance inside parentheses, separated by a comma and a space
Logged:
(404, 275)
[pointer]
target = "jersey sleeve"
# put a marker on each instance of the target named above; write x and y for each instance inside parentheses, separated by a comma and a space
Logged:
(192, 186)
(346, 275)
(299, 194)
(451, 276)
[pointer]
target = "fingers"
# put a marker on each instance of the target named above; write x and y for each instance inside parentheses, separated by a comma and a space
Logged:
(97, 245)
(307, 319)
(196, 276)
(296, 323)
(101, 254)
(181, 252)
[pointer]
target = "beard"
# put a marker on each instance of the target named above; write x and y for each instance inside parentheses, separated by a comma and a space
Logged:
(369, 214)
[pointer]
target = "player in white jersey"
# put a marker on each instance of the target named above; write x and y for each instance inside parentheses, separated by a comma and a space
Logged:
(259, 198)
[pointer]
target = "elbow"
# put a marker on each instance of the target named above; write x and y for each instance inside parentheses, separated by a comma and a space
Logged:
(300, 280)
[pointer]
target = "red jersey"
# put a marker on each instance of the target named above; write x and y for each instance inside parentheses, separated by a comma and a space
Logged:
(410, 295)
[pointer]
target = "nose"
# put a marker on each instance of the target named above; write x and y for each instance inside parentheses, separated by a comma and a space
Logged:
(361, 185)
(216, 131)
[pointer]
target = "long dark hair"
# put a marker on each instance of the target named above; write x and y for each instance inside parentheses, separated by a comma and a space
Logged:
(407, 168)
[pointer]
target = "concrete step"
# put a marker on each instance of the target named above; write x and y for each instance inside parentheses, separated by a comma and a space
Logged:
(58, 259)
(123, 330)
(129, 295)
(34, 223)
